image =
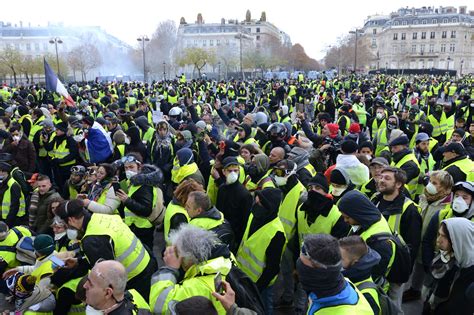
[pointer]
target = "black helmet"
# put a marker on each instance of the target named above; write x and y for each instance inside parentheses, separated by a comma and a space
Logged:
(276, 131)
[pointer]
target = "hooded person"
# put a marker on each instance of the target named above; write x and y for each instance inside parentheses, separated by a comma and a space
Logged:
(258, 173)
(136, 144)
(146, 131)
(162, 150)
(340, 183)
(381, 139)
(304, 169)
(233, 199)
(357, 171)
(184, 167)
(366, 220)
(318, 213)
(453, 268)
(263, 243)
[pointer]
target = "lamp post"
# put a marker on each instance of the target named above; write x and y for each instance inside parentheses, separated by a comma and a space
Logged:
(164, 70)
(460, 71)
(143, 39)
(356, 33)
(240, 36)
(219, 71)
(447, 63)
(56, 41)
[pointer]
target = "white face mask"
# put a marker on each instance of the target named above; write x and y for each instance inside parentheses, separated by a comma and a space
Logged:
(72, 234)
(16, 138)
(368, 156)
(130, 174)
(379, 116)
(59, 235)
(127, 140)
(78, 138)
(459, 205)
(337, 191)
(232, 177)
(281, 181)
(431, 189)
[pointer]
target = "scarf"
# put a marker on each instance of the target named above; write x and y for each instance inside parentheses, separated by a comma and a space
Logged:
(97, 190)
(322, 282)
(316, 205)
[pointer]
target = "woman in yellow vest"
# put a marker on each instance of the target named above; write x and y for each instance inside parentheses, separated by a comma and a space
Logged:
(102, 197)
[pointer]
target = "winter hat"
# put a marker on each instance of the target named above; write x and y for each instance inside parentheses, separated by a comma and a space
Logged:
(461, 132)
(119, 137)
(61, 126)
(201, 125)
(261, 118)
(247, 129)
(231, 148)
(395, 134)
(23, 110)
(339, 177)
(22, 285)
(187, 136)
(185, 156)
(269, 197)
(142, 122)
(402, 140)
(354, 128)
(333, 129)
(325, 117)
(380, 161)
(262, 161)
(43, 244)
(349, 146)
(47, 123)
(319, 180)
(426, 127)
(455, 147)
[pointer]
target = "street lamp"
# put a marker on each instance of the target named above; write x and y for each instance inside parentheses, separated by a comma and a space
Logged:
(447, 64)
(219, 73)
(240, 36)
(460, 71)
(143, 39)
(356, 32)
(164, 70)
(56, 41)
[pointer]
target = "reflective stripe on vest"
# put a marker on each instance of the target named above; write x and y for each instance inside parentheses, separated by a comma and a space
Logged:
(133, 219)
(251, 256)
(6, 201)
(288, 207)
(60, 152)
(127, 247)
(466, 166)
(35, 128)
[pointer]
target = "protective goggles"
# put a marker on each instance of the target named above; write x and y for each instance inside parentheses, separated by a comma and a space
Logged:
(316, 263)
(130, 159)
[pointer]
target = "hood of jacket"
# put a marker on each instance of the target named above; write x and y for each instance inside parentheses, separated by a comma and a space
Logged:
(461, 231)
(357, 206)
(150, 175)
(299, 156)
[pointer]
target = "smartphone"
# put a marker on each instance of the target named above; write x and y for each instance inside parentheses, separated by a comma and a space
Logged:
(57, 262)
(300, 107)
(218, 283)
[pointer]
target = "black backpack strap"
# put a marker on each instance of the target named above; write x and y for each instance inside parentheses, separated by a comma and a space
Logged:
(5, 248)
(18, 233)
(367, 285)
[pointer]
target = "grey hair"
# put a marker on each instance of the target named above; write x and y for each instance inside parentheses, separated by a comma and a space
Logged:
(115, 273)
(193, 243)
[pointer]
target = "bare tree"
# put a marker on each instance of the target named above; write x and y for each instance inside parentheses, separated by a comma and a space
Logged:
(196, 57)
(11, 59)
(84, 58)
(160, 49)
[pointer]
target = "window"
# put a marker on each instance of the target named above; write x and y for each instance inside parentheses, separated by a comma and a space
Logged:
(227, 42)
(445, 21)
(404, 22)
(218, 42)
(403, 48)
(415, 35)
(211, 42)
(443, 35)
(204, 43)
(195, 42)
(455, 20)
(413, 49)
(374, 42)
(443, 48)
(432, 35)
(431, 48)
(422, 48)
(37, 46)
(395, 36)
(394, 49)
(404, 36)
(452, 47)
(17, 46)
(28, 46)
(424, 22)
(434, 21)
(396, 23)
(258, 37)
(453, 34)
(374, 31)
(45, 46)
(258, 30)
(423, 35)
(415, 22)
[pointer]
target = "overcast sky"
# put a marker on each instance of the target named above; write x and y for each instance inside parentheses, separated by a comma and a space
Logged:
(314, 24)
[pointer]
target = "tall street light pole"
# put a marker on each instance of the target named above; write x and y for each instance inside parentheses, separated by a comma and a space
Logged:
(164, 70)
(143, 39)
(356, 33)
(56, 41)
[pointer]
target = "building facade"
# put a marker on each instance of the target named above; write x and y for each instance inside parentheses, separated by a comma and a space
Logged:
(422, 38)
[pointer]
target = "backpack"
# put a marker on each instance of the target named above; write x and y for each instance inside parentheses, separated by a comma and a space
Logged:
(401, 267)
(246, 292)
(387, 306)
(25, 251)
(158, 212)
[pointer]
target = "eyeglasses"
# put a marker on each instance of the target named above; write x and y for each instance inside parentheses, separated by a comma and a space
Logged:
(77, 169)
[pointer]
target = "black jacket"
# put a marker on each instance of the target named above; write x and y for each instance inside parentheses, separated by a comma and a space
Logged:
(71, 146)
(461, 297)
(15, 194)
(454, 171)
(224, 230)
(410, 222)
(141, 202)
(235, 202)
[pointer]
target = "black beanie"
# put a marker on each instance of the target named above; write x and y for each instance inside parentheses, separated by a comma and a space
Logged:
(319, 180)
(349, 146)
(337, 177)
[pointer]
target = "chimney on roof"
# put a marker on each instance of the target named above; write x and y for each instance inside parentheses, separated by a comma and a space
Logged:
(21, 23)
(471, 13)
(462, 9)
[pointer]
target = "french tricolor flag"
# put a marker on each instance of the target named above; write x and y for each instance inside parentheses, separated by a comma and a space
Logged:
(53, 84)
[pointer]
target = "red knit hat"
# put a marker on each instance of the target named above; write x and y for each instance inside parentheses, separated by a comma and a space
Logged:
(354, 128)
(333, 129)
